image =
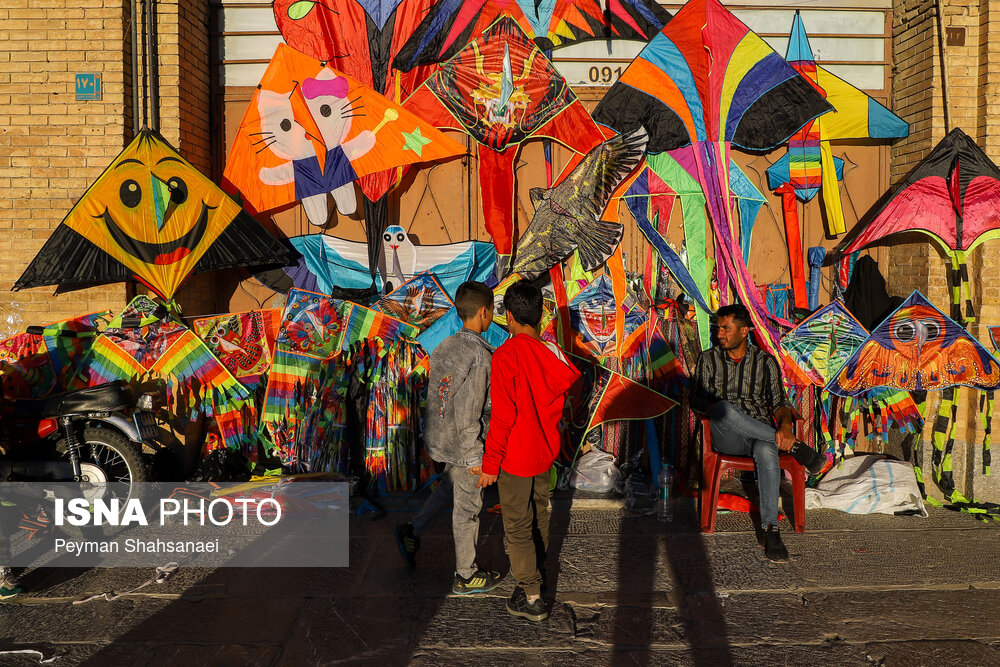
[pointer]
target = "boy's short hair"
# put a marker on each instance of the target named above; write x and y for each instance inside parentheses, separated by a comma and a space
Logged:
(523, 302)
(470, 297)
(739, 313)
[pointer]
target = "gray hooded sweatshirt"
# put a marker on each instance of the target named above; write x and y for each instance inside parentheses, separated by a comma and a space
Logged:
(458, 409)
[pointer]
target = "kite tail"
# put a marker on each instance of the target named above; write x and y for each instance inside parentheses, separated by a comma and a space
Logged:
(984, 511)
(921, 405)
(986, 411)
(960, 285)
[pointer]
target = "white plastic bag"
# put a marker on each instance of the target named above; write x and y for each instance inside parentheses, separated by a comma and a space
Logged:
(868, 484)
(595, 471)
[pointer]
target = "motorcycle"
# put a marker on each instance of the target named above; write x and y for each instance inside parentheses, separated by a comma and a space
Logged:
(91, 436)
(94, 436)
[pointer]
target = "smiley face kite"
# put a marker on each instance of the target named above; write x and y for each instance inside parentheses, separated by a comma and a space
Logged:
(153, 216)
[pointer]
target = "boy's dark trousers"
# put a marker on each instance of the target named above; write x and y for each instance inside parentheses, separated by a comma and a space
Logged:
(525, 503)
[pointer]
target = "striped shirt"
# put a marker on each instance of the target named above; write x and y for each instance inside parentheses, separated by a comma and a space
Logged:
(753, 384)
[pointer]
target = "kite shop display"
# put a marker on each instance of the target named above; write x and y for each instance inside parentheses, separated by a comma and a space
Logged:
(331, 378)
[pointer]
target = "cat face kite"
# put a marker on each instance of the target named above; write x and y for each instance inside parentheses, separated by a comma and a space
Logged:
(917, 348)
(310, 130)
(153, 216)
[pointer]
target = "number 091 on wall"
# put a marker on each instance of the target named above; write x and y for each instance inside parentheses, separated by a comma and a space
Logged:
(589, 72)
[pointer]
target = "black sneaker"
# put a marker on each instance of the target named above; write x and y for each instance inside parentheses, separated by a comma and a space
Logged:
(408, 543)
(808, 457)
(518, 605)
(773, 547)
(480, 582)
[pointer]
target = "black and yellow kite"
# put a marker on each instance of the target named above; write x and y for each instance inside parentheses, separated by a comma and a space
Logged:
(152, 216)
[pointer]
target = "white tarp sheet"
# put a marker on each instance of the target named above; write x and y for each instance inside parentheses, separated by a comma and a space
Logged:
(868, 484)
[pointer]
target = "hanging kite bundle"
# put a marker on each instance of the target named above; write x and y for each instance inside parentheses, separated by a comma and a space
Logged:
(733, 88)
(36, 364)
(393, 386)
(145, 343)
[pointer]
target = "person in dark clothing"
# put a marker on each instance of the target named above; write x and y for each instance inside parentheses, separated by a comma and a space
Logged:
(738, 385)
(866, 296)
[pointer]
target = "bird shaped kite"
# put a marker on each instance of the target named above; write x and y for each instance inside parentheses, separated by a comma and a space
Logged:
(152, 216)
(420, 301)
(567, 216)
(709, 82)
(310, 131)
(329, 263)
(953, 196)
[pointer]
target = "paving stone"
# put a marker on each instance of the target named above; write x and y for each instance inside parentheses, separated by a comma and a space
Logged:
(476, 622)
(907, 654)
(371, 630)
(185, 654)
(66, 622)
(858, 590)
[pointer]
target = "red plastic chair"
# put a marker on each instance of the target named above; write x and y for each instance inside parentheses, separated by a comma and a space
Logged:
(714, 464)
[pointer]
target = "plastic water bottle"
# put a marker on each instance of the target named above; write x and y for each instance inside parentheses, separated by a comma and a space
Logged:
(664, 501)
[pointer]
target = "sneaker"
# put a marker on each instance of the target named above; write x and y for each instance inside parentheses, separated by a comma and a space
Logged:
(808, 457)
(773, 547)
(408, 543)
(518, 605)
(480, 582)
(9, 586)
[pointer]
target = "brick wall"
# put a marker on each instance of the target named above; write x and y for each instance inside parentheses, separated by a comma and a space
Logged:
(51, 146)
(968, 91)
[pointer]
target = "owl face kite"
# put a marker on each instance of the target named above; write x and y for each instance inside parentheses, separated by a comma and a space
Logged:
(917, 348)
(151, 215)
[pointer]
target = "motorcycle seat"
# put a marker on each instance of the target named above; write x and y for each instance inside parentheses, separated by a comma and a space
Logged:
(108, 397)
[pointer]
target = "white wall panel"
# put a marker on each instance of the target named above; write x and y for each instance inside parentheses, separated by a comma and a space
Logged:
(247, 19)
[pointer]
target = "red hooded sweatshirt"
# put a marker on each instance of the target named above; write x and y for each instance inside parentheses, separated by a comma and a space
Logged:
(528, 386)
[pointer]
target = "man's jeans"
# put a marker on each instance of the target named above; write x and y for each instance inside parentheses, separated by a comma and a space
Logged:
(738, 434)
(456, 485)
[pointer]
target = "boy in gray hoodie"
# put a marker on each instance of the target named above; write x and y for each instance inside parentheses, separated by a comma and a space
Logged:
(455, 426)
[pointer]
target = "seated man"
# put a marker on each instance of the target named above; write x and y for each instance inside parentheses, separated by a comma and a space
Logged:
(738, 385)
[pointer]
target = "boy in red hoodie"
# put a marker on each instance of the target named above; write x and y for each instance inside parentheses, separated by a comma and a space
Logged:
(529, 380)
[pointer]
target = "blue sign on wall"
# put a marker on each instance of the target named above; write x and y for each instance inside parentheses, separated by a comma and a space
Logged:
(88, 87)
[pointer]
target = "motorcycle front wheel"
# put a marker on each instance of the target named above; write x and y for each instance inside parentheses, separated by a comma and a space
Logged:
(112, 467)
